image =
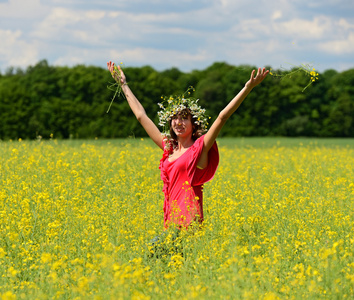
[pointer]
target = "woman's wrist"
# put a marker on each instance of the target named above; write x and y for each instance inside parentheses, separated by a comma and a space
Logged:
(248, 87)
(124, 85)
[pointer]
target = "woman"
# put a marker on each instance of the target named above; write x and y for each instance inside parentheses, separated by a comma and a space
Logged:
(190, 159)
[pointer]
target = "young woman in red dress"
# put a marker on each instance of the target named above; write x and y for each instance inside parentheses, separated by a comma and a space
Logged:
(190, 158)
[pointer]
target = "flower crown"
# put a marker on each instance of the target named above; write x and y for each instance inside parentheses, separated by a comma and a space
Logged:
(172, 105)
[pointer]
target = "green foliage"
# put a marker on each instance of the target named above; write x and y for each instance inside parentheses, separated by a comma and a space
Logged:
(72, 102)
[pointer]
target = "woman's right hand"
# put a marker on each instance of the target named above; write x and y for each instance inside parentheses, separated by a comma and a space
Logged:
(117, 75)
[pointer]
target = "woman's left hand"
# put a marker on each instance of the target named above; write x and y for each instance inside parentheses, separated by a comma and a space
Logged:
(255, 80)
(117, 73)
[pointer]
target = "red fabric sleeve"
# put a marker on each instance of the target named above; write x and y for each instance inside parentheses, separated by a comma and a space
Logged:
(200, 176)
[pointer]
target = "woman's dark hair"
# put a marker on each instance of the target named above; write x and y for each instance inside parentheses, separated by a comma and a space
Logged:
(197, 129)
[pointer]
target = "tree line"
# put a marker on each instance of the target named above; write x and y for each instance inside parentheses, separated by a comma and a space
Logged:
(72, 102)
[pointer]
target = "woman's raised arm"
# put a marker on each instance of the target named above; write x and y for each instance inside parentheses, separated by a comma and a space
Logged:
(233, 105)
(138, 110)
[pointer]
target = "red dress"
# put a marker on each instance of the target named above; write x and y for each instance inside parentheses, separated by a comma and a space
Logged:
(183, 183)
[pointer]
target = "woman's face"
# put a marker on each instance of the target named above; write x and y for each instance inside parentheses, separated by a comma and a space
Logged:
(182, 125)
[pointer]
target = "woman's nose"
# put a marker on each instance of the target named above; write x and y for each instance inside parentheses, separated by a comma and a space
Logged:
(179, 120)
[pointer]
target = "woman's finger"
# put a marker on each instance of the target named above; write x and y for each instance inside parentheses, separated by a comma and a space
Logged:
(258, 72)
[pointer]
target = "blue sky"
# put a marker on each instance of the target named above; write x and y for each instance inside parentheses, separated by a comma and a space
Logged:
(187, 34)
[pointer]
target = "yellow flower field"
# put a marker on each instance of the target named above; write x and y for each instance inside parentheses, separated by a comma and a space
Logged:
(76, 218)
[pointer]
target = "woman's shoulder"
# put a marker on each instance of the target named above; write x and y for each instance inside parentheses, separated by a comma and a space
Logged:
(199, 141)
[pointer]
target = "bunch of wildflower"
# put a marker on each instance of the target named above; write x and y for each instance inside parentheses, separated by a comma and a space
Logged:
(307, 69)
(173, 105)
(116, 86)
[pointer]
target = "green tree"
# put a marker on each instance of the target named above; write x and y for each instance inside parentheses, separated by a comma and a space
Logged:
(71, 102)
(340, 119)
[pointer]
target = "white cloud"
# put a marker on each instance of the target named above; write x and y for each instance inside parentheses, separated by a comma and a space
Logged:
(187, 34)
(304, 29)
(94, 15)
(344, 25)
(17, 52)
(339, 46)
(252, 29)
(65, 26)
(22, 9)
(159, 58)
(56, 21)
(277, 14)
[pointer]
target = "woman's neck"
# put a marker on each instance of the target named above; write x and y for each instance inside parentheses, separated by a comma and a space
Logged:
(184, 143)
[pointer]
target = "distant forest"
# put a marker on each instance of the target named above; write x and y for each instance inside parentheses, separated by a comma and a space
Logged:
(71, 102)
